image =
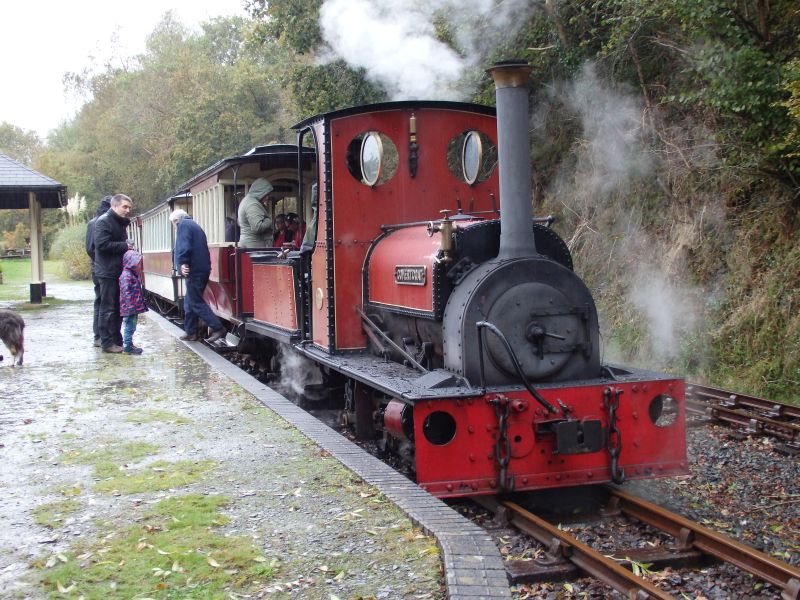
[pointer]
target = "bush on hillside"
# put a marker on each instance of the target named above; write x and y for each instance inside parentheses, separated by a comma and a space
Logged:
(69, 247)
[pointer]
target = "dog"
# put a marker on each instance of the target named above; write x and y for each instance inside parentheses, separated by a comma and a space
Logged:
(12, 332)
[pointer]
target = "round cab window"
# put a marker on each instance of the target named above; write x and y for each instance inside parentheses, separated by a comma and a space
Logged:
(472, 157)
(371, 158)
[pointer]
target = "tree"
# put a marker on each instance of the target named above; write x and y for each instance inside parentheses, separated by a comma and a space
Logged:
(151, 123)
(293, 23)
(314, 88)
(19, 144)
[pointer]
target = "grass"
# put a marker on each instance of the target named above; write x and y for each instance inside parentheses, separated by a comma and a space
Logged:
(153, 416)
(52, 514)
(158, 476)
(15, 288)
(116, 473)
(110, 454)
(172, 552)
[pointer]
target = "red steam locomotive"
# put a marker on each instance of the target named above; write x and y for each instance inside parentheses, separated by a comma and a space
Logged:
(451, 319)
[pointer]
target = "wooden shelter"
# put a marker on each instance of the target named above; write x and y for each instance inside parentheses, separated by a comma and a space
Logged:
(22, 187)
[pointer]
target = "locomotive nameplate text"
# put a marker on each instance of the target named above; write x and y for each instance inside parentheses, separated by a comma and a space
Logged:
(410, 274)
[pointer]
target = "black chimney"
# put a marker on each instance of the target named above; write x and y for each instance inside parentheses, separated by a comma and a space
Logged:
(514, 155)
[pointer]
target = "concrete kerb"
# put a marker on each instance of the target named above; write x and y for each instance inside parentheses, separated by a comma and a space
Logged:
(472, 564)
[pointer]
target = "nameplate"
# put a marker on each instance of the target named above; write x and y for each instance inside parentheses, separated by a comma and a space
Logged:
(409, 274)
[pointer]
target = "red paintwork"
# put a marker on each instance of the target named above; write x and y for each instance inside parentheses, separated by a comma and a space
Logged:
(220, 293)
(273, 288)
(360, 210)
(393, 414)
(246, 275)
(467, 465)
(320, 322)
(411, 246)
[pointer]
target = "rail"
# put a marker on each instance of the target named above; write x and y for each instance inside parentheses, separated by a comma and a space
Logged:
(689, 533)
(690, 537)
(576, 552)
(751, 414)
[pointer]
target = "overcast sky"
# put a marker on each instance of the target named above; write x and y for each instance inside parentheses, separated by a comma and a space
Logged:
(41, 40)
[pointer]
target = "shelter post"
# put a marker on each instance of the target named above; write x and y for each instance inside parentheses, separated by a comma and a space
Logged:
(38, 290)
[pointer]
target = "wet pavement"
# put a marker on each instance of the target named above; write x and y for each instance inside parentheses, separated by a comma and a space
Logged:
(324, 533)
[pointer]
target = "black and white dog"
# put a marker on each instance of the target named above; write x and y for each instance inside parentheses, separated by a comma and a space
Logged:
(12, 332)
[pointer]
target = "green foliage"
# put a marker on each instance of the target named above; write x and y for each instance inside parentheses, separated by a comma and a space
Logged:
(322, 88)
(157, 476)
(724, 59)
(790, 145)
(314, 88)
(19, 144)
(187, 101)
(70, 248)
(15, 239)
(757, 335)
(294, 23)
(15, 288)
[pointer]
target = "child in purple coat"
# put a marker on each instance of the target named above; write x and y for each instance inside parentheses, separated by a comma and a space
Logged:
(131, 300)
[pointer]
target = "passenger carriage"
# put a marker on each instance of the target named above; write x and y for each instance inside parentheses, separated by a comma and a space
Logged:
(211, 198)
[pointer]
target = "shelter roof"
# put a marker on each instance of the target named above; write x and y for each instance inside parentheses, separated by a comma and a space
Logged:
(17, 180)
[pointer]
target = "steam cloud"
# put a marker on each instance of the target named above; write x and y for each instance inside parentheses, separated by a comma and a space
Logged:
(297, 371)
(395, 42)
(611, 156)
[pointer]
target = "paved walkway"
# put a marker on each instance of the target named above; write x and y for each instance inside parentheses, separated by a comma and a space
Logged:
(96, 448)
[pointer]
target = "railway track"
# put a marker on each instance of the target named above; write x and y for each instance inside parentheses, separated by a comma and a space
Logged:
(748, 414)
(693, 545)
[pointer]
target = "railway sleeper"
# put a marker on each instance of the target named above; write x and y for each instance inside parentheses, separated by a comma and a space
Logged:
(558, 569)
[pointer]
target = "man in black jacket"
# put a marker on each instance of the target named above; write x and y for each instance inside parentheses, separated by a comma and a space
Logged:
(110, 243)
(105, 204)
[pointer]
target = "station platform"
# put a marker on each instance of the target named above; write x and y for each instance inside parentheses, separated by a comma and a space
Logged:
(174, 472)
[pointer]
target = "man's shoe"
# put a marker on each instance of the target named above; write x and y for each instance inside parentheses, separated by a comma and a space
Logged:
(132, 349)
(97, 343)
(218, 334)
(189, 337)
(113, 349)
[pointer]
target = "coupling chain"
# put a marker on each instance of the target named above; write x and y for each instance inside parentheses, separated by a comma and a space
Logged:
(502, 449)
(614, 444)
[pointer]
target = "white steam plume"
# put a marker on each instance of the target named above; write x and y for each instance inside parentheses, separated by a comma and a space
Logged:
(297, 371)
(395, 42)
(611, 162)
(612, 153)
(669, 309)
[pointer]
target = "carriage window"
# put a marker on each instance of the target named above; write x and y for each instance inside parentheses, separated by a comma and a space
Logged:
(472, 157)
(372, 158)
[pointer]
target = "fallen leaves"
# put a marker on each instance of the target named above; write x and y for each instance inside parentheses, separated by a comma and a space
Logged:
(54, 559)
(354, 515)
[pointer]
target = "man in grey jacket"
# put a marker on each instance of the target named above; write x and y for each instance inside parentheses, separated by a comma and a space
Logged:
(254, 220)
